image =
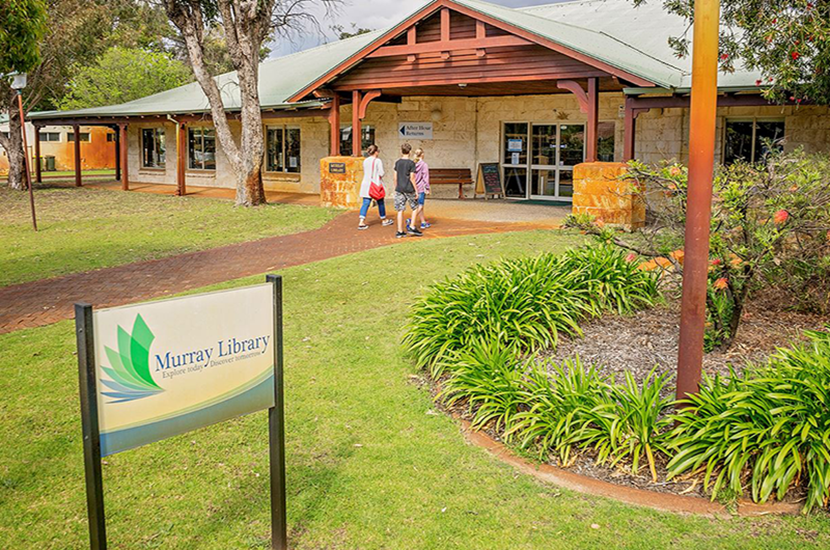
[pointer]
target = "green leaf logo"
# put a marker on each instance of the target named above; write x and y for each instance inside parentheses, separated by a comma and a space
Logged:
(129, 374)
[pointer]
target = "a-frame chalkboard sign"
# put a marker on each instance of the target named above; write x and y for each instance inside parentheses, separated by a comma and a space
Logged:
(488, 180)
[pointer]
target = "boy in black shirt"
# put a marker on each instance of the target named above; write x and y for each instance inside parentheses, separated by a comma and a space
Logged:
(405, 191)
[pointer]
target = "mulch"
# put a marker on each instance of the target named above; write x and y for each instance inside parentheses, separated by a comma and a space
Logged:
(647, 340)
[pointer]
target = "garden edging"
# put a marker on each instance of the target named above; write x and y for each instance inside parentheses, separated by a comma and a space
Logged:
(629, 495)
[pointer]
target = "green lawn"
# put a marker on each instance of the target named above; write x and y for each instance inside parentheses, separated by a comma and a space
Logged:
(370, 465)
(87, 228)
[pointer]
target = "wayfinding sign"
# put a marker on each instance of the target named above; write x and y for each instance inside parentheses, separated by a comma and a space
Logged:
(415, 130)
(154, 370)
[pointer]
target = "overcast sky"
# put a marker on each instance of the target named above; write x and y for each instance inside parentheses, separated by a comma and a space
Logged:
(371, 14)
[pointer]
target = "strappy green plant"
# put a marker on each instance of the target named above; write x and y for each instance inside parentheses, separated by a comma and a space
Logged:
(772, 424)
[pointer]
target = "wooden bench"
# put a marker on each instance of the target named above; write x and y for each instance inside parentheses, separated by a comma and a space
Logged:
(451, 176)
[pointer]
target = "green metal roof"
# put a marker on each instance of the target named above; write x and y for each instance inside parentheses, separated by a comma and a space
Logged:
(646, 28)
(279, 78)
(632, 39)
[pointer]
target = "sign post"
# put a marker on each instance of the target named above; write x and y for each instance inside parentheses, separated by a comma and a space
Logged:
(154, 370)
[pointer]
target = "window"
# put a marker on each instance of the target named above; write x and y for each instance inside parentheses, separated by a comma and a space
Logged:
(70, 137)
(605, 141)
(346, 139)
(751, 139)
(51, 136)
(110, 136)
(201, 148)
(282, 149)
(152, 148)
(5, 134)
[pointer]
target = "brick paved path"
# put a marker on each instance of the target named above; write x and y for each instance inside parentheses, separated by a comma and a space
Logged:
(47, 301)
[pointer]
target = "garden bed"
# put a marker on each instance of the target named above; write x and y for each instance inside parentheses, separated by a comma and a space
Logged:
(647, 340)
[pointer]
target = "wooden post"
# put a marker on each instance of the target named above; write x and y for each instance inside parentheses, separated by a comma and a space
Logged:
(702, 124)
(117, 142)
(181, 159)
(357, 133)
(592, 131)
(38, 174)
(629, 141)
(77, 132)
(445, 25)
(125, 178)
(334, 123)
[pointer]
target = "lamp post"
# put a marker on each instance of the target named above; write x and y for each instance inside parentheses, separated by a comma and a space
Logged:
(699, 205)
(18, 83)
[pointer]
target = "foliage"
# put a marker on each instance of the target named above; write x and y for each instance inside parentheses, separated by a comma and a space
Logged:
(342, 32)
(488, 377)
(121, 75)
(526, 302)
(788, 41)
(772, 423)
(557, 407)
(22, 25)
(770, 225)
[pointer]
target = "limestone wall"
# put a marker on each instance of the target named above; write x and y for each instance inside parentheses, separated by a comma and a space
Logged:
(467, 132)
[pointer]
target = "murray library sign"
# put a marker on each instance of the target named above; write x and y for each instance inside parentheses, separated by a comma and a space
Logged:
(154, 370)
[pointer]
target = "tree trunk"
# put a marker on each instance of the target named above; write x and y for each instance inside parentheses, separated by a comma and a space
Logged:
(14, 147)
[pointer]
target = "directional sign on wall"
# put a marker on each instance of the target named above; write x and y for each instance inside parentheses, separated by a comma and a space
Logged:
(415, 130)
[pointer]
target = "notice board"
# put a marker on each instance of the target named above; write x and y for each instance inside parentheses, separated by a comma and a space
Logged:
(488, 180)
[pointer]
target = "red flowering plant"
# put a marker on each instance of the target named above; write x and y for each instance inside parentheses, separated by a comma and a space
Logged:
(769, 231)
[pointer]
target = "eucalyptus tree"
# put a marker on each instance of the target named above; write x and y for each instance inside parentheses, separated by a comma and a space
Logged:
(246, 24)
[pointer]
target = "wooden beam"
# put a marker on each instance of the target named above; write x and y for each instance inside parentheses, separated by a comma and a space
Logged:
(411, 35)
(334, 124)
(445, 25)
(38, 174)
(117, 142)
(481, 30)
(630, 130)
(592, 130)
(77, 132)
(367, 98)
(357, 134)
(449, 45)
(577, 90)
(181, 159)
(125, 179)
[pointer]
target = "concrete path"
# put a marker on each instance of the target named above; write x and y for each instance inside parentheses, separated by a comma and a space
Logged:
(48, 301)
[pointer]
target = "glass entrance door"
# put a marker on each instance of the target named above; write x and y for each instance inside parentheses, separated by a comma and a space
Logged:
(538, 159)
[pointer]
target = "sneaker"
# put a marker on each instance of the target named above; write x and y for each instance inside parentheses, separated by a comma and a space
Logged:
(399, 234)
(361, 227)
(414, 232)
(426, 225)
(386, 222)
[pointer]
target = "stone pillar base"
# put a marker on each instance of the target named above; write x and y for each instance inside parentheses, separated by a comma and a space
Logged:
(340, 179)
(601, 192)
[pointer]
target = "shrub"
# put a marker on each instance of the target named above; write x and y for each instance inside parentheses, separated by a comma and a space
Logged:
(770, 230)
(630, 423)
(772, 423)
(557, 408)
(489, 377)
(526, 302)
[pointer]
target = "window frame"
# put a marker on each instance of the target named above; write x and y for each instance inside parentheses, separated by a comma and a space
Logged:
(284, 129)
(347, 149)
(155, 130)
(754, 120)
(70, 137)
(190, 160)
